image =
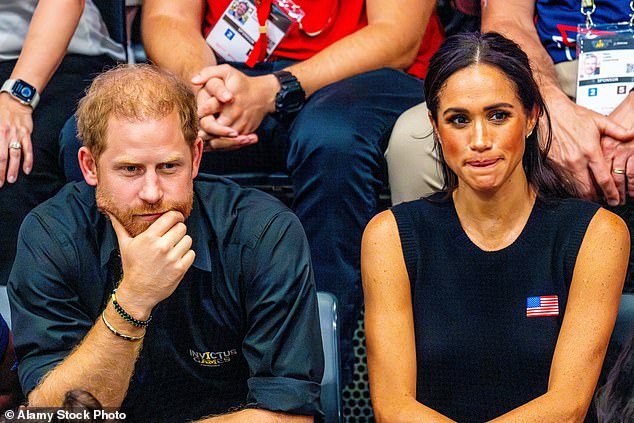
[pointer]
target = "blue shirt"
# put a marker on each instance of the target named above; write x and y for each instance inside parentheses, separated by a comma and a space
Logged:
(556, 23)
(242, 328)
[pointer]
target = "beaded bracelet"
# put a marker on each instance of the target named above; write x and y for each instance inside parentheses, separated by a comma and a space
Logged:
(124, 315)
(119, 334)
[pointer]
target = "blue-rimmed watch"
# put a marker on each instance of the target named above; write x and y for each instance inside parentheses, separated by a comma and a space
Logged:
(291, 96)
(22, 91)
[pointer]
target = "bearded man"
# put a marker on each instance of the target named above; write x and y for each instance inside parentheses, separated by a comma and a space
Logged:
(167, 298)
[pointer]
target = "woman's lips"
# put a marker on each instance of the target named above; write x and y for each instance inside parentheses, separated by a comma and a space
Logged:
(482, 163)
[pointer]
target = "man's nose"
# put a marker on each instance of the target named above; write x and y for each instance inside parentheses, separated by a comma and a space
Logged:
(151, 191)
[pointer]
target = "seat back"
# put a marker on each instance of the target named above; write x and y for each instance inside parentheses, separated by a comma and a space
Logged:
(331, 382)
(5, 310)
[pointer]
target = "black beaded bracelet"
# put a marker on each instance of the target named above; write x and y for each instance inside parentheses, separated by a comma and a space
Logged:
(125, 316)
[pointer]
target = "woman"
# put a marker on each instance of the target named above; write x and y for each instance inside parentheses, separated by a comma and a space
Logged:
(496, 298)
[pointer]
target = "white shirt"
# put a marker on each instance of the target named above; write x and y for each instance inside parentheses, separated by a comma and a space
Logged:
(91, 36)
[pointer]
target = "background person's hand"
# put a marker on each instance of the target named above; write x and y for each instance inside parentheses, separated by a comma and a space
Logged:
(212, 96)
(16, 125)
(576, 146)
(154, 262)
(620, 154)
(240, 102)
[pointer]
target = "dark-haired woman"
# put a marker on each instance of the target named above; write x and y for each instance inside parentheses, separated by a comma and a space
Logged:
(495, 299)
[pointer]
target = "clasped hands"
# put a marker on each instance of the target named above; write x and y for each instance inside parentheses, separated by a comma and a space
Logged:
(231, 106)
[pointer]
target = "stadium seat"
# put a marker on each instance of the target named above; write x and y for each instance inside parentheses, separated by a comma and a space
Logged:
(331, 382)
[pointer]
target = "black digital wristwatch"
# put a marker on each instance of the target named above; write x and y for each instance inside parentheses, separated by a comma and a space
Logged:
(291, 97)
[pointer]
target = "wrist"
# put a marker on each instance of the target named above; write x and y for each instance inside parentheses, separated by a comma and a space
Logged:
(7, 100)
(135, 304)
(271, 88)
(120, 325)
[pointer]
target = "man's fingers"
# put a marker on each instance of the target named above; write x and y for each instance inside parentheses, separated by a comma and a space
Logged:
(175, 234)
(629, 172)
(188, 259)
(182, 247)
(209, 72)
(227, 144)
(209, 107)
(217, 88)
(165, 223)
(610, 128)
(122, 233)
(603, 177)
(619, 167)
(210, 125)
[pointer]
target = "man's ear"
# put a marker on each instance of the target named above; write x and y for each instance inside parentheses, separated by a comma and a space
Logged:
(88, 166)
(197, 154)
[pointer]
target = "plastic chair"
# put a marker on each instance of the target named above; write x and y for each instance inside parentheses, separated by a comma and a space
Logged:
(331, 382)
(5, 310)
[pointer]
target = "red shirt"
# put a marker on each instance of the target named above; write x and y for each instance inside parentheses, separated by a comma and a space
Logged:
(333, 20)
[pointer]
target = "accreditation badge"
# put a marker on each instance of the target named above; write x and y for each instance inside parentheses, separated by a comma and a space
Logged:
(236, 32)
(606, 65)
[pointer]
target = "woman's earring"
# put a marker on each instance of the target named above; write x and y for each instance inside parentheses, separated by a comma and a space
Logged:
(529, 134)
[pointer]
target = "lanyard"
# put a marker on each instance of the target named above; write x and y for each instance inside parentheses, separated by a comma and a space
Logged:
(263, 8)
(258, 53)
(588, 7)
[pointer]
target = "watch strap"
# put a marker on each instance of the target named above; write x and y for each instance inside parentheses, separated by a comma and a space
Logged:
(291, 96)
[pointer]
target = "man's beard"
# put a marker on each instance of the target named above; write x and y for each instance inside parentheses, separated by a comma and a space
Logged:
(129, 217)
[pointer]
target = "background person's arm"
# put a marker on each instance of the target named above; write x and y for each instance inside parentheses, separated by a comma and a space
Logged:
(576, 130)
(173, 40)
(50, 31)
(591, 310)
(389, 326)
(391, 39)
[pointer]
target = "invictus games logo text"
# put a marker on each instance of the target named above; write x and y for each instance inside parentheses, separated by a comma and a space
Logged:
(213, 359)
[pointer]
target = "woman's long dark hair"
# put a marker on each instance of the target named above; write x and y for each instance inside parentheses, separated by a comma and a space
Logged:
(615, 399)
(466, 49)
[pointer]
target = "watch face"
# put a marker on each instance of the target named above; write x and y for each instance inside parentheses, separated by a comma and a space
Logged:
(291, 101)
(23, 91)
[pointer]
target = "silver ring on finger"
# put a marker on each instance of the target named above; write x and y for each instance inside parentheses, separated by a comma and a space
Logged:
(15, 145)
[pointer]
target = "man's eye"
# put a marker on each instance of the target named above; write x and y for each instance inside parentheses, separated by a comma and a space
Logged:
(169, 167)
(131, 169)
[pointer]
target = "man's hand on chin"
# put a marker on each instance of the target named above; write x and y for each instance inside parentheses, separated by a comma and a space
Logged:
(154, 262)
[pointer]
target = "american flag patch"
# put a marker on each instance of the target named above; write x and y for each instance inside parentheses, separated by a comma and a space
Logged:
(545, 305)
